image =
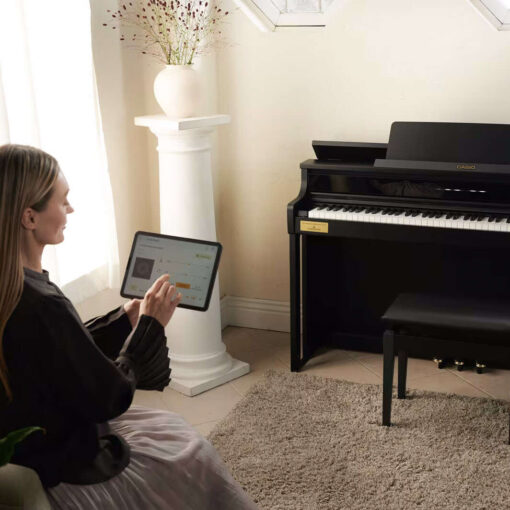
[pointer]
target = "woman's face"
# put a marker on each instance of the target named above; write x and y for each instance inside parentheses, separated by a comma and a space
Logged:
(50, 223)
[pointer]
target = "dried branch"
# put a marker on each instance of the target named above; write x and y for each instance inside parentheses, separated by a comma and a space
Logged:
(172, 31)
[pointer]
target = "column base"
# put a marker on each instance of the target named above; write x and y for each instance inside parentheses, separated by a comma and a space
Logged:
(192, 387)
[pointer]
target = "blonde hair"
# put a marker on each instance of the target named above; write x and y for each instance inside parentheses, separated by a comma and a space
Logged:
(27, 178)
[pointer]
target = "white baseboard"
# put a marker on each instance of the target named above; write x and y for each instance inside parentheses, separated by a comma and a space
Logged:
(255, 313)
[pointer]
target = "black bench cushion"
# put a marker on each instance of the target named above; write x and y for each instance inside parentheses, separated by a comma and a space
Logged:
(437, 312)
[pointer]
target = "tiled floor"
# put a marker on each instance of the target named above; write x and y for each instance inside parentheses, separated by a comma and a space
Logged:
(269, 349)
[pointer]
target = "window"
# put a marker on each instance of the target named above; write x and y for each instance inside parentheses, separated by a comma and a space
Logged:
(48, 99)
(271, 14)
(497, 12)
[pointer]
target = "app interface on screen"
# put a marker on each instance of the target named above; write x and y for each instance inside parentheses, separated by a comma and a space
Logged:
(189, 265)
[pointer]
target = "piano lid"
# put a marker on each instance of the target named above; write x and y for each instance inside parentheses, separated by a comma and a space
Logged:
(449, 142)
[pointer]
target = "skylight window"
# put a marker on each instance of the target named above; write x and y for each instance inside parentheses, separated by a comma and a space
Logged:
(272, 14)
(496, 12)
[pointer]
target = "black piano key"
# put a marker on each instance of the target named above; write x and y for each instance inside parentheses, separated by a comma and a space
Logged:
(499, 219)
(449, 215)
(415, 213)
(492, 218)
(408, 213)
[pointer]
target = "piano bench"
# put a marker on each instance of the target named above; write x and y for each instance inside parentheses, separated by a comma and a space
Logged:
(441, 326)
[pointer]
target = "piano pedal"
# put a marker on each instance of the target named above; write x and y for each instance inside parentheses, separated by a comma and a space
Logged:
(479, 367)
(459, 364)
(439, 362)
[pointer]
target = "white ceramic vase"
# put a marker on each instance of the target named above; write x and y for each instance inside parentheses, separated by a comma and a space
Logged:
(177, 90)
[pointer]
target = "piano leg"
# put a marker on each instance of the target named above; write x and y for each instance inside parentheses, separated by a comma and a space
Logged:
(402, 373)
(389, 362)
(295, 304)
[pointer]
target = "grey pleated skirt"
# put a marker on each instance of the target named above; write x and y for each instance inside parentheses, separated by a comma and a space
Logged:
(172, 467)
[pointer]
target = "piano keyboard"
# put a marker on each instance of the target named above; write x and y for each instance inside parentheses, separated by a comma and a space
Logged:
(415, 217)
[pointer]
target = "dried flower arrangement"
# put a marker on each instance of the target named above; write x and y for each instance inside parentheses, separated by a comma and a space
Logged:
(173, 31)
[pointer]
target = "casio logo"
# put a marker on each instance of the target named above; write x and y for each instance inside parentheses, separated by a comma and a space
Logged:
(466, 167)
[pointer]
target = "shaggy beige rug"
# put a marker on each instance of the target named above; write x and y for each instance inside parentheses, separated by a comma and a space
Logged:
(304, 442)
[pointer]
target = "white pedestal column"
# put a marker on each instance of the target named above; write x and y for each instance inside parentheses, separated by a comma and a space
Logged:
(199, 360)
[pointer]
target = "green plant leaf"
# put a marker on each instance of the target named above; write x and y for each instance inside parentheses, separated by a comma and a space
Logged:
(8, 442)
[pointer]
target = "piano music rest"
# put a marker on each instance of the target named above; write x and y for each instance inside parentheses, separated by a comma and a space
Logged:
(442, 326)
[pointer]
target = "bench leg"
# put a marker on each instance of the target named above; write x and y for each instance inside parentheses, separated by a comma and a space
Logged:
(402, 373)
(389, 361)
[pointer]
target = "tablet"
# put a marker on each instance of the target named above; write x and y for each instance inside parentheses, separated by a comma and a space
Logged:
(192, 265)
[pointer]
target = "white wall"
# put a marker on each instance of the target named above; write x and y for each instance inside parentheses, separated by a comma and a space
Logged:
(375, 63)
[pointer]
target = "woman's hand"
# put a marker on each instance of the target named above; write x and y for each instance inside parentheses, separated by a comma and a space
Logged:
(161, 300)
(132, 309)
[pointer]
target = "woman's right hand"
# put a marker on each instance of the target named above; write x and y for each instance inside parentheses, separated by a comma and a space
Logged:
(160, 300)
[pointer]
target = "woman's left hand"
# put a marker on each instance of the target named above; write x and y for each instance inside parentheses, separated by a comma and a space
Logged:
(132, 309)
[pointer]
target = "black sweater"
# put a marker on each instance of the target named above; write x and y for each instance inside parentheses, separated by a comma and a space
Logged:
(69, 378)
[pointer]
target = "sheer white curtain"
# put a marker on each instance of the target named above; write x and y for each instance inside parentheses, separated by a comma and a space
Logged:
(48, 99)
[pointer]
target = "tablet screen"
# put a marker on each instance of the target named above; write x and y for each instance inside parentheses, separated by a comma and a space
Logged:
(192, 265)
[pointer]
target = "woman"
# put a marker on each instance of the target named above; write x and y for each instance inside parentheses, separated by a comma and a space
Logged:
(77, 380)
